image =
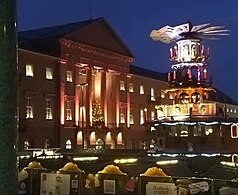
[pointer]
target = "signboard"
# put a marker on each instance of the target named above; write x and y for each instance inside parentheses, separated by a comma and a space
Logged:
(109, 186)
(204, 109)
(156, 188)
(228, 191)
(198, 187)
(181, 110)
(54, 184)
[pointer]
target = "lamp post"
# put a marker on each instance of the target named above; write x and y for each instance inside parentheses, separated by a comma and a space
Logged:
(81, 85)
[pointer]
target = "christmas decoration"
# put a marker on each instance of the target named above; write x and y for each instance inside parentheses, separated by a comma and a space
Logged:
(98, 119)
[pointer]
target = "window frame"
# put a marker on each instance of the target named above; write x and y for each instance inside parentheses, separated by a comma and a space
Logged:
(122, 86)
(142, 90)
(49, 73)
(29, 108)
(68, 111)
(48, 109)
(29, 70)
(69, 76)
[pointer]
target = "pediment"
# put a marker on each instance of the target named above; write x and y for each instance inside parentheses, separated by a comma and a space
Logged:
(101, 35)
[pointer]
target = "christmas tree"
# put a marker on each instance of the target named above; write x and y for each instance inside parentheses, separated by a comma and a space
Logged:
(98, 119)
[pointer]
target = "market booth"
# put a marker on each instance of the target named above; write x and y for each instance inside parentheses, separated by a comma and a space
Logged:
(75, 179)
(112, 181)
(29, 179)
(155, 181)
(36, 180)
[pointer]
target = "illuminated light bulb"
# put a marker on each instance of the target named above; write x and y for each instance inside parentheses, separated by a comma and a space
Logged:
(205, 73)
(171, 53)
(174, 75)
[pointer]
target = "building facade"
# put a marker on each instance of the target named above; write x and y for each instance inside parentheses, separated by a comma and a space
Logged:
(78, 89)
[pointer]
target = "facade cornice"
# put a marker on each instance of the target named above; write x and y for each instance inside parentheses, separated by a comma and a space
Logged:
(97, 51)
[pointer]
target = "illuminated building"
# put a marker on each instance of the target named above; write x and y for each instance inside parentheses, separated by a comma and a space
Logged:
(77, 83)
(196, 121)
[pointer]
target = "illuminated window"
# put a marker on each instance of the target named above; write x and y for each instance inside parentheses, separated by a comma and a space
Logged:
(132, 116)
(234, 158)
(131, 88)
(49, 73)
(142, 117)
(195, 98)
(152, 115)
(48, 110)
(227, 110)
(29, 107)
(234, 110)
(184, 98)
(162, 94)
(100, 144)
(122, 86)
(142, 92)
(69, 76)
(68, 145)
(119, 138)
(68, 111)
(234, 131)
(122, 118)
(29, 70)
(122, 115)
(152, 94)
(131, 120)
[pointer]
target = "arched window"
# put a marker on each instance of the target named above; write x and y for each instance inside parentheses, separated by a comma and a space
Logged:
(119, 138)
(79, 138)
(108, 138)
(195, 98)
(234, 131)
(68, 145)
(99, 144)
(234, 158)
(184, 98)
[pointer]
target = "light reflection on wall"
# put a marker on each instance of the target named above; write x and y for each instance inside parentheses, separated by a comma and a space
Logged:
(62, 109)
(82, 115)
(76, 105)
(97, 85)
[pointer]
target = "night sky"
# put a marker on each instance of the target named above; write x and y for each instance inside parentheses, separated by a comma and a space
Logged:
(133, 20)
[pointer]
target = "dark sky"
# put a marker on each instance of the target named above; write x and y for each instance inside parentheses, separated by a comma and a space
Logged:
(133, 20)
